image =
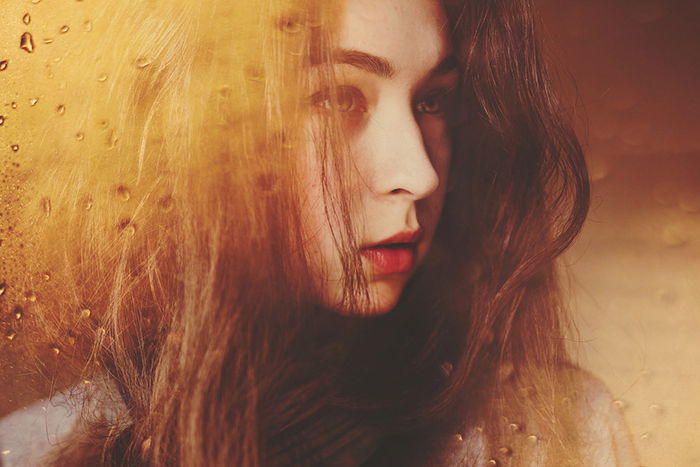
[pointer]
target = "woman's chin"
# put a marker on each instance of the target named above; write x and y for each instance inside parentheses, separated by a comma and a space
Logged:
(382, 297)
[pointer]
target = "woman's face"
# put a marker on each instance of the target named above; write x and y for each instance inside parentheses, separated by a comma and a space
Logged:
(395, 76)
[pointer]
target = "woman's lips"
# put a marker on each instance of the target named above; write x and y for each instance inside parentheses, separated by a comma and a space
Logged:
(394, 255)
(391, 258)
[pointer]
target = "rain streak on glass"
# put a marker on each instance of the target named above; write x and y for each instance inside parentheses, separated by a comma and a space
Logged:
(26, 42)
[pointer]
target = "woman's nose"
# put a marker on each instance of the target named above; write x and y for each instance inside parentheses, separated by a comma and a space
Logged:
(400, 163)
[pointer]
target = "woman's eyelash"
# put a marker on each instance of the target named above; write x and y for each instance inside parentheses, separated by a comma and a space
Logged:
(345, 99)
(436, 102)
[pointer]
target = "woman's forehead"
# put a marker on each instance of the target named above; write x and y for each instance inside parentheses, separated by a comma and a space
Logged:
(408, 35)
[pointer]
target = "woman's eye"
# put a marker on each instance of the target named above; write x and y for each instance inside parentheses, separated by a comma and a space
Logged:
(434, 103)
(345, 99)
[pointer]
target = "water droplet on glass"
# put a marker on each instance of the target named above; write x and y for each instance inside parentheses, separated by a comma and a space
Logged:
(619, 404)
(80, 136)
(46, 206)
(290, 25)
(645, 436)
(15, 147)
(85, 313)
(48, 40)
(30, 296)
(102, 78)
(123, 193)
(71, 337)
(505, 450)
(55, 349)
(26, 19)
(18, 312)
(666, 193)
(61, 109)
(111, 139)
(446, 369)
(9, 335)
(142, 62)
(2, 120)
(533, 438)
(458, 437)
(492, 462)
(166, 203)
(26, 42)
(87, 203)
(675, 235)
(87, 25)
(3, 288)
(127, 227)
(146, 445)
(33, 101)
(689, 201)
(656, 409)
(13, 104)
(666, 296)
(36, 1)
(255, 73)
(3, 64)
(514, 427)
(64, 29)
(46, 276)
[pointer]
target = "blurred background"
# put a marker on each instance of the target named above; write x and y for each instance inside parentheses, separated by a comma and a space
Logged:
(630, 74)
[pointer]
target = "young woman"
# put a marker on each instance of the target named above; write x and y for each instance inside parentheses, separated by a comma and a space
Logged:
(308, 233)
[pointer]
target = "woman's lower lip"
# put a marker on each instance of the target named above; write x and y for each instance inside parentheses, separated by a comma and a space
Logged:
(392, 259)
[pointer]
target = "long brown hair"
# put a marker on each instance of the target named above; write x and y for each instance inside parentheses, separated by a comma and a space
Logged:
(179, 274)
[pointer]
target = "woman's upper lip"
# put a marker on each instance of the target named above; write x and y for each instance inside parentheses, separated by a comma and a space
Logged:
(407, 236)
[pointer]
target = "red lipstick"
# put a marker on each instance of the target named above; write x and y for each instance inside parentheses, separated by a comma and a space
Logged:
(393, 255)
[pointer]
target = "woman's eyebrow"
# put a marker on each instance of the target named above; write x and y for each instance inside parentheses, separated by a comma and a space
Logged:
(381, 66)
(370, 63)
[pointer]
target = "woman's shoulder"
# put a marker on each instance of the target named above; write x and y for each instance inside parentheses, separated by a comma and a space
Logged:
(599, 423)
(575, 421)
(29, 434)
